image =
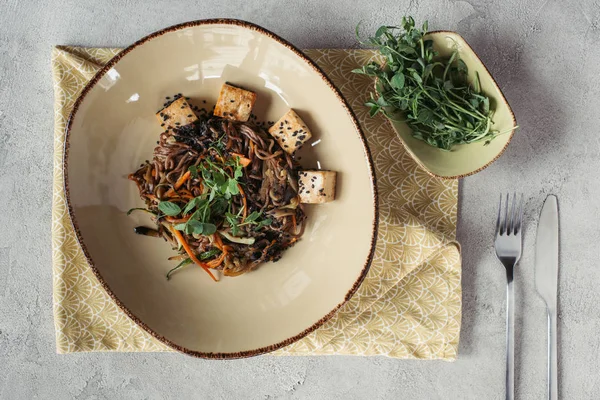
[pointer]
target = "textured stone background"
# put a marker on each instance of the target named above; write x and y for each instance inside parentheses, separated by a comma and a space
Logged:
(545, 56)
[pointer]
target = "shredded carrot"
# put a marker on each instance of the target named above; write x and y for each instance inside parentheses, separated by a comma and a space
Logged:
(217, 261)
(182, 179)
(243, 160)
(179, 196)
(190, 253)
(217, 241)
(177, 220)
(243, 200)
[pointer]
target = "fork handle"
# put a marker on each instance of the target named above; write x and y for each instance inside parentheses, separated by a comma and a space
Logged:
(552, 356)
(510, 335)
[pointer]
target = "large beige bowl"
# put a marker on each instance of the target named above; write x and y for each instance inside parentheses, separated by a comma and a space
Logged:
(471, 158)
(112, 130)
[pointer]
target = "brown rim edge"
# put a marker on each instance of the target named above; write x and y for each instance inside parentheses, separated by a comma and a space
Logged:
(345, 104)
(420, 163)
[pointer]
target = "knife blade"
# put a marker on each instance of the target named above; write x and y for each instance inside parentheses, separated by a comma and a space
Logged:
(546, 280)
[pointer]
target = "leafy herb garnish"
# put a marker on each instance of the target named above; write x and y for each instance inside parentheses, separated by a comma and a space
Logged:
(169, 208)
(221, 180)
(438, 103)
(235, 221)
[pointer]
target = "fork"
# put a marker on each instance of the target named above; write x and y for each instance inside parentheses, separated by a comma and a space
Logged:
(508, 247)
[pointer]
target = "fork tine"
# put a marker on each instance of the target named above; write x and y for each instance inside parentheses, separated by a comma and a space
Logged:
(499, 213)
(520, 220)
(505, 229)
(513, 216)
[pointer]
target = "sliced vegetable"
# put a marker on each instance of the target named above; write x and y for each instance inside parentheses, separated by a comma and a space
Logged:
(182, 264)
(142, 230)
(244, 162)
(235, 239)
(190, 253)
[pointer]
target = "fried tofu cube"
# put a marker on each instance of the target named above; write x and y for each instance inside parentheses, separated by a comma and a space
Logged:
(315, 187)
(290, 132)
(234, 103)
(177, 114)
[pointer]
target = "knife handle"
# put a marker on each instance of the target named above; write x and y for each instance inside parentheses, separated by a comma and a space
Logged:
(552, 356)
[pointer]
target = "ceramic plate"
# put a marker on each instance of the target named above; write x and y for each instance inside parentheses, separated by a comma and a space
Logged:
(471, 158)
(113, 129)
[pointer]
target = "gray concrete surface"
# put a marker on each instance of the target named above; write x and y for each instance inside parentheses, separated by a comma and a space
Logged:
(546, 58)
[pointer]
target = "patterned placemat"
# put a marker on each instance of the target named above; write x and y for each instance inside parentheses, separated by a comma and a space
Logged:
(409, 305)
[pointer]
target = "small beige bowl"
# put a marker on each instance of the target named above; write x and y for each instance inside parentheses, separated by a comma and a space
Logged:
(468, 159)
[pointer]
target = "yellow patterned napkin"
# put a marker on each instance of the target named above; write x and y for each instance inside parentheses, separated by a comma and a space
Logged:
(409, 305)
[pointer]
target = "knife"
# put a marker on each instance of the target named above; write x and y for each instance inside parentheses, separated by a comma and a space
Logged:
(546, 281)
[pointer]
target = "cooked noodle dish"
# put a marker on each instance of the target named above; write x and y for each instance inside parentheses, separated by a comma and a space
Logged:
(225, 190)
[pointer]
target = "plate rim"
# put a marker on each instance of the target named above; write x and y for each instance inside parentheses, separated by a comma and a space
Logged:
(367, 153)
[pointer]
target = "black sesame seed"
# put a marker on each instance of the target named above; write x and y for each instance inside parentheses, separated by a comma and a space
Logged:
(162, 124)
(301, 137)
(232, 101)
(157, 142)
(321, 190)
(313, 186)
(289, 127)
(168, 98)
(308, 192)
(177, 123)
(286, 122)
(286, 146)
(189, 115)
